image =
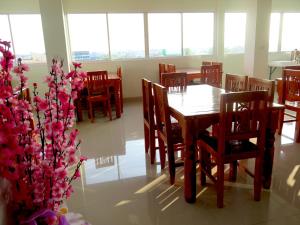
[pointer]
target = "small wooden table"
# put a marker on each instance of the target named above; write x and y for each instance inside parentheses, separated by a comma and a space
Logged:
(113, 81)
(192, 73)
(196, 109)
(279, 64)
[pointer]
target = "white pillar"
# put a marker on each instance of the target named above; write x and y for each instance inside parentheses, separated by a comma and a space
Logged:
(257, 39)
(53, 21)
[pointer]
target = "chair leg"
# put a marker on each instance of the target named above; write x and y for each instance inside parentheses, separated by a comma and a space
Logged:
(203, 165)
(280, 121)
(152, 145)
(162, 153)
(220, 185)
(233, 171)
(171, 161)
(257, 178)
(91, 111)
(109, 109)
(297, 128)
(146, 137)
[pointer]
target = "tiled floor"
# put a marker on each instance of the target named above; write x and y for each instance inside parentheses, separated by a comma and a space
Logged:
(120, 187)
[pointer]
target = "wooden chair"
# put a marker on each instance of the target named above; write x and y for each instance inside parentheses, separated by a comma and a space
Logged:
(257, 84)
(242, 116)
(174, 81)
(162, 69)
(149, 123)
(209, 63)
(206, 63)
(171, 68)
(119, 73)
(24, 94)
(98, 91)
(235, 83)
(291, 100)
(168, 134)
(211, 74)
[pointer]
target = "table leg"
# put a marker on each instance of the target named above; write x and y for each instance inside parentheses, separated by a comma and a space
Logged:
(297, 128)
(269, 150)
(272, 70)
(117, 98)
(189, 165)
(78, 110)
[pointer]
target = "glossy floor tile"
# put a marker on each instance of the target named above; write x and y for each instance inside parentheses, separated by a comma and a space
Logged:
(119, 186)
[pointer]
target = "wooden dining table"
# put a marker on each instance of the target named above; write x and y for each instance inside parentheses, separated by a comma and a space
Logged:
(196, 109)
(115, 82)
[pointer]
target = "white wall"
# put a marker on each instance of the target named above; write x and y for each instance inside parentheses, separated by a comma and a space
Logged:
(133, 70)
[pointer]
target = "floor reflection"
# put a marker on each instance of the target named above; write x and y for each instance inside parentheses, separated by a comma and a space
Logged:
(119, 186)
(112, 168)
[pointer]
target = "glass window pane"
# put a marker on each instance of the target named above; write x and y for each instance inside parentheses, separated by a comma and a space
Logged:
(88, 36)
(198, 33)
(28, 37)
(164, 34)
(4, 31)
(274, 32)
(290, 32)
(126, 35)
(235, 32)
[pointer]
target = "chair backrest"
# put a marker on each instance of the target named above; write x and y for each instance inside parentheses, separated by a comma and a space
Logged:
(24, 94)
(162, 69)
(148, 100)
(206, 63)
(162, 113)
(257, 84)
(242, 116)
(171, 68)
(235, 83)
(174, 81)
(212, 75)
(97, 82)
(291, 85)
(119, 72)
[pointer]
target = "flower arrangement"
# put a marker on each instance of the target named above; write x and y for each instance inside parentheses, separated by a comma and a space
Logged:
(37, 144)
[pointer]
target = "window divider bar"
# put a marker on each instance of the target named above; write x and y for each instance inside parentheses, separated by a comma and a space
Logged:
(146, 36)
(280, 32)
(108, 37)
(11, 35)
(181, 27)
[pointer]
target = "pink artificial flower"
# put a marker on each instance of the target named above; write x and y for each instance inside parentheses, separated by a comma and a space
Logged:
(71, 74)
(83, 158)
(63, 97)
(57, 127)
(76, 65)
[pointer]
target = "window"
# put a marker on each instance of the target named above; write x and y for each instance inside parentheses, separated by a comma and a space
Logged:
(235, 31)
(126, 35)
(274, 32)
(5, 30)
(198, 33)
(88, 36)
(290, 32)
(28, 37)
(164, 34)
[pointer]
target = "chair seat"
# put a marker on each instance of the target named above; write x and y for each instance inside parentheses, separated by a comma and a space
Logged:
(233, 149)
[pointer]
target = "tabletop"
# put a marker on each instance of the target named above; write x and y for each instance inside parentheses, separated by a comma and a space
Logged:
(282, 63)
(199, 100)
(189, 70)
